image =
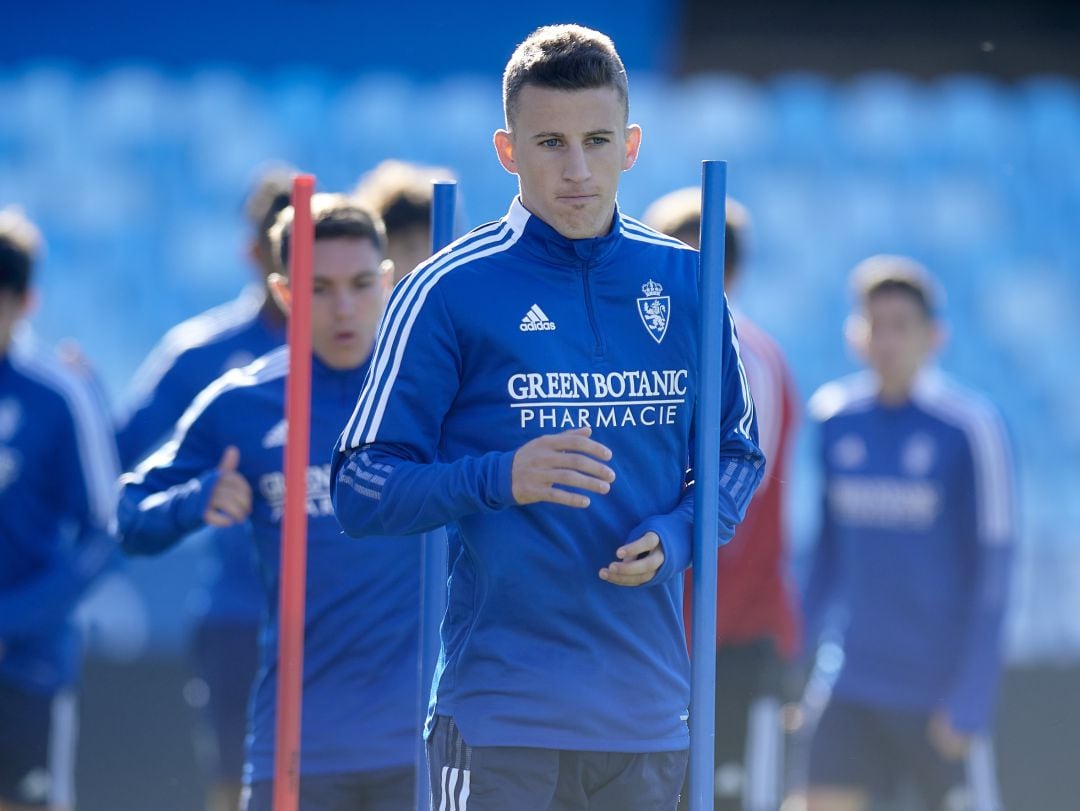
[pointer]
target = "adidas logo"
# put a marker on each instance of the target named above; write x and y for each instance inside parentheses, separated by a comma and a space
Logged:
(536, 320)
(275, 437)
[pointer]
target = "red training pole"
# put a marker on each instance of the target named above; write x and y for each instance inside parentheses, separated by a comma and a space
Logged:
(294, 524)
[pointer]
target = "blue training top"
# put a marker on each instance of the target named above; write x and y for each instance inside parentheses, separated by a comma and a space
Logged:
(58, 474)
(361, 623)
(916, 545)
(191, 356)
(514, 332)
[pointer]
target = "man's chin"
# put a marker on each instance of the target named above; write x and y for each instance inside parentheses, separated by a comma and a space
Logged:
(341, 359)
(581, 227)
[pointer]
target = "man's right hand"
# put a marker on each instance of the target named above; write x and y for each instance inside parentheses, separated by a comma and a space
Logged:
(230, 503)
(569, 459)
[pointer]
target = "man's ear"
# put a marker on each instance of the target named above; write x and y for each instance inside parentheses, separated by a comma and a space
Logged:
(857, 333)
(386, 272)
(940, 338)
(30, 303)
(633, 144)
(279, 289)
(504, 148)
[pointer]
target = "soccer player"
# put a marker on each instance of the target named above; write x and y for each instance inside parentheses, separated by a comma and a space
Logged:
(223, 465)
(57, 480)
(756, 623)
(189, 358)
(401, 193)
(916, 544)
(533, 385)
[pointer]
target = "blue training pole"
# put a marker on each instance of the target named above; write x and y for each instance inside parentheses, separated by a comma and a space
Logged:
(434, 551)
(707, 484)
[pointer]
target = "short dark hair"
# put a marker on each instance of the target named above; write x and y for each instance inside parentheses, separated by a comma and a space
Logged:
(888, 273)
(400, 193)
(271, 192)
(678, 214)
(335, 216)
(20, 244)
(563, 57)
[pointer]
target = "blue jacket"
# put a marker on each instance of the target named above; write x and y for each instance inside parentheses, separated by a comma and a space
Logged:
(511, 333)
(362, 610)
(916, 545)
(187, 360)
(58, 474)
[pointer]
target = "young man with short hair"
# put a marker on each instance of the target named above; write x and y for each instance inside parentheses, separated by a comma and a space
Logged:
(224, 465)
(757, 627)
(916, 544)
(534, 386)
(224, 648)
(57, 482)
(401, 193)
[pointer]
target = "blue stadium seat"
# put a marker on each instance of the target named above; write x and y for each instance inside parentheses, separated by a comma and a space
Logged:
(975, 121)
(1050, 109)
(720, 116)
(804, 119)
(882, 120)
(129, 106)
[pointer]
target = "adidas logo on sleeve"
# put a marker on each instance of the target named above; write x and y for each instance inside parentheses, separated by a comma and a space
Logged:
(536, 320)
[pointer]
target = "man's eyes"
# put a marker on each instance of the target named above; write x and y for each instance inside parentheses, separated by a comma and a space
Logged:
(595, 140)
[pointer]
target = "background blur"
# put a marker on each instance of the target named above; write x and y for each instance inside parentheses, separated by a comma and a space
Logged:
(951, 132)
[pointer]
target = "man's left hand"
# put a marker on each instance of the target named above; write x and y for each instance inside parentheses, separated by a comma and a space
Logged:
(949, 742)
(638, 562)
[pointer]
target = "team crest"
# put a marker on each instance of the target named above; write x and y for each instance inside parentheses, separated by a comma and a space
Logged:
(654, 310)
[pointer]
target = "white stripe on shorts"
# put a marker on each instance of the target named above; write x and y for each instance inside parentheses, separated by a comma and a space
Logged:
(982, 776)
(454, 795)
(764, 756)
(63, 730)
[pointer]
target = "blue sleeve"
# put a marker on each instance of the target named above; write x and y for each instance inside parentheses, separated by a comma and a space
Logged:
(165, 497)
(378, 493)
(987, 502)
(160, 398)
(821, 588)
(742, 466)
(386, 479)
(85, 444)
(43, 604)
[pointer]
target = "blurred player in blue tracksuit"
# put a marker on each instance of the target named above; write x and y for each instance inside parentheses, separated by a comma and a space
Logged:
(57, 482)
(224, 464)
(534, 384)
(915, 550)
(401, 192)
(189, 357)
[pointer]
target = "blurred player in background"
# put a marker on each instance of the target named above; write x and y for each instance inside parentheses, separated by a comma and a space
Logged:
(916, 546)
(224, 464)
(514, 392)
(756, 622)
(189, 357)
(401, 193)
(57, 482)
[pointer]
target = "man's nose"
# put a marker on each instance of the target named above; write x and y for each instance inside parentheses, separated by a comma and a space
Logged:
(576, 167)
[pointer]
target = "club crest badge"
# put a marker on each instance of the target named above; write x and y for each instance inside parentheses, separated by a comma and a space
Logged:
(654, 309)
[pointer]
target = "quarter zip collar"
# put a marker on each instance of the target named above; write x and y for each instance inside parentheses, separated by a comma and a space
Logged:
(543, 241)
(320, 371)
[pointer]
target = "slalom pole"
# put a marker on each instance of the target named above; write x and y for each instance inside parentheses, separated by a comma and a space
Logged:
(433, 544)
(291, 595)
(707, 485)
